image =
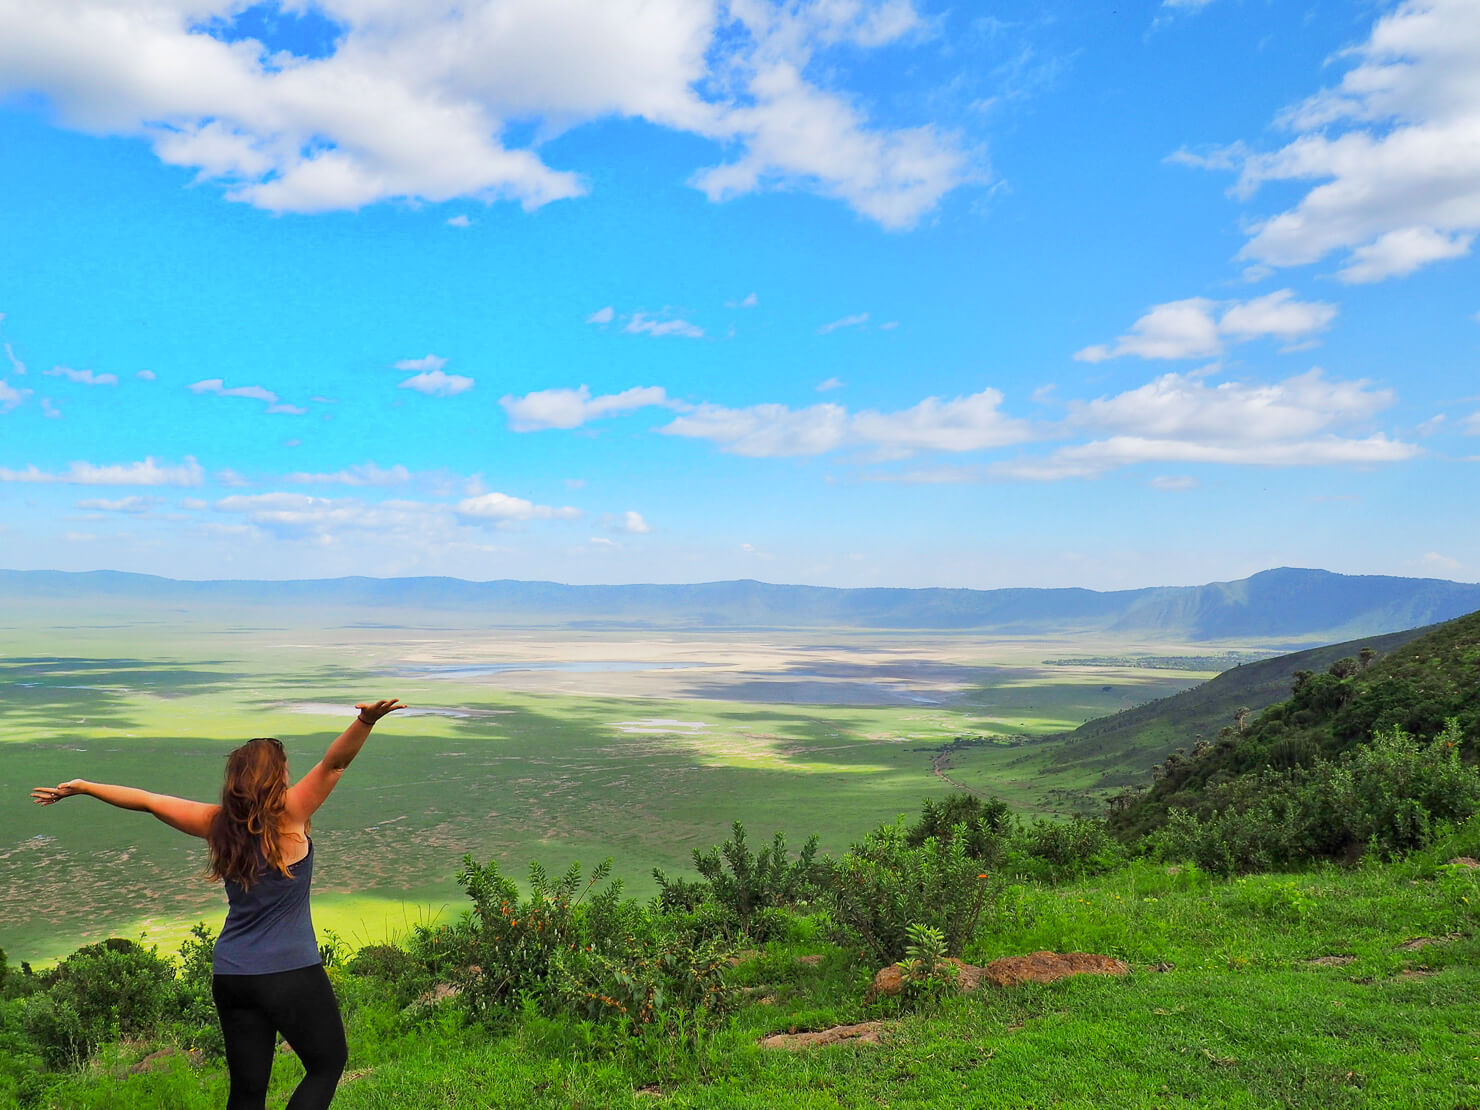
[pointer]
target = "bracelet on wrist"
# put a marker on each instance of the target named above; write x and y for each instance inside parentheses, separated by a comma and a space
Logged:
(363, 721)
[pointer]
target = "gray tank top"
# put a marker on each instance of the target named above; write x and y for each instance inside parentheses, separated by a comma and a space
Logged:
(268, 926)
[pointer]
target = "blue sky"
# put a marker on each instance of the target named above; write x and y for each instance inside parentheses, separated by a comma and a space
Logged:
(837, 292)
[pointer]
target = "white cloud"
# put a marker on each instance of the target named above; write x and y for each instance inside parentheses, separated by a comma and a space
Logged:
(964, 424)
(570, 408)
(145, 473)
(81, 377)
(602, 315)
(501, 508)
(767, 430)
(131, 505)
(10, 397)
(48, 410)
(414, 100)
(195, 504)
(771, 430)
(1472, 424)
(361, 474)
(282, 409)
(1389, 155)
(1183, 406)
(15, 364)
(750, 300)
(1441, 562)
(426, 362)
(299, 516)
(460, 221)
(1092, 459)
(846, 322)
(434, 383)
(1173, 483)
(146, 375)
(218, 387)
(1398, 253)
(830, 383)
(641, 324)
(629, 522)
(1188, 329)
(1180, 418)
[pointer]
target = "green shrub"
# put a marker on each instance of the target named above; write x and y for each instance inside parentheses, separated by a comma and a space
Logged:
(101, 992)
(986, 825)
(609, 960)
(1079, 846)
(1385, 798)
(197, 1025)
(747, 885)
(882, 886)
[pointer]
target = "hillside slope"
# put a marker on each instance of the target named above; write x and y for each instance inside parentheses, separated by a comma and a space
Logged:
(1124, 746)
(1276, 606)
(1433, 678)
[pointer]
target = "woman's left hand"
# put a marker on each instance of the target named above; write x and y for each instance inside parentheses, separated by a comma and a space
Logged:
(50, 795)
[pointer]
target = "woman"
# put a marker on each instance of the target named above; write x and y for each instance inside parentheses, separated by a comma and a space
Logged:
(268, 976)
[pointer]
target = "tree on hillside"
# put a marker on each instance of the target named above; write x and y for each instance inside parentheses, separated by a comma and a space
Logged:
(1240, 715)
(1366, 656)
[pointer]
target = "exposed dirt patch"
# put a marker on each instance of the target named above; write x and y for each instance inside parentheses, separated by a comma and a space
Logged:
(809, 961)
(1423, 942)
(743, 957)
(1010, 971)
(868, 1032)
(156, 1060)
(1331, 961)
(1464, 861)
(351, 1076)
(1414, 973)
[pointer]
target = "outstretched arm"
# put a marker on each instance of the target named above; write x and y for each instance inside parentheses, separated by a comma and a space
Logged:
(305, 796)
(178, 813)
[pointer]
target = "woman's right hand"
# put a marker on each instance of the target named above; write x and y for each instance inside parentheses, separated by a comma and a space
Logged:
(50, 795)
(372, 711)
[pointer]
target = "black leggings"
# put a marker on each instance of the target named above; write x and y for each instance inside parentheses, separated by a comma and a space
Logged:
(301, 1005)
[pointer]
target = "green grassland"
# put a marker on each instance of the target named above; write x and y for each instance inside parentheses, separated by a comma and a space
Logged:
(801, 732)
(1332, 988)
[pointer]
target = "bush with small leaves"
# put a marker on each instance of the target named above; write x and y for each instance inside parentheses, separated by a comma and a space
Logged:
(882, 886)
(744, 884)
(113, 989)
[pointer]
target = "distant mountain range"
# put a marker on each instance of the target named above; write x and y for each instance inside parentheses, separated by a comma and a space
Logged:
(1275, 606)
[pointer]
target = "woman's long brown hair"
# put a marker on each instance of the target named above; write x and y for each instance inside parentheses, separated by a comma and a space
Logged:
(245, 834)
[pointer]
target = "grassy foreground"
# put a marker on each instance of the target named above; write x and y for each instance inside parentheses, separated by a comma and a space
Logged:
(1226, 1006)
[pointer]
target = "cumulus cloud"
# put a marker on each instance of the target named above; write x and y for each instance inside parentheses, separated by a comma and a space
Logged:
(642, 324)
(435, 383)
(1181, 418)
(830, 383)
(1472, 424)
(298, 515)
(772, 430)
(361, 474)
(425, 363)
(501, 509)
(16, 364)
(602, 315)
(459, 221)
(845, 322)
(11, 397)
(629, 522)
(750, 300)
(146, 375)
(217, 387)
(570, 408)
(1390, 155)
(145, 473)
(81, 377)
(415, 101)
(130, 505)
(48, 410)
(1173, 483)
(1201, 328)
